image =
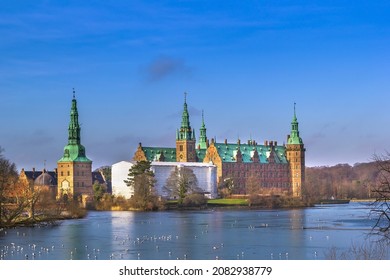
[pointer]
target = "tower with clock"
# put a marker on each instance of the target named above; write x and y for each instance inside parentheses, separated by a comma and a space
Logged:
(185, 138)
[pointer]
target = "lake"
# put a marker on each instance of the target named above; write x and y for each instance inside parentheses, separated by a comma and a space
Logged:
(296, 234)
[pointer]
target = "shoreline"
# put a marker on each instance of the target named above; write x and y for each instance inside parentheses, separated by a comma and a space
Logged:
(54, 221)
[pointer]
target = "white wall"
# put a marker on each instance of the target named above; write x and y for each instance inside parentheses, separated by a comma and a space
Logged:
(119, 173)
(205, 173)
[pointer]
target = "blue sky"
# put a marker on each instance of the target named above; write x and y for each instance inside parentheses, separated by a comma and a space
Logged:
(244, 63)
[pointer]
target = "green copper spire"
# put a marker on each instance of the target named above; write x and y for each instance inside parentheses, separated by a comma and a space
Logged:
(74, 151)
(203, 137)
(74, 127)
(294, 135)
(185, 132)
(185, 119)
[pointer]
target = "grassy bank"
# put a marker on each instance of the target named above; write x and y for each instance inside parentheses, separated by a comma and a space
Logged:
(271, 202)
(228, 202)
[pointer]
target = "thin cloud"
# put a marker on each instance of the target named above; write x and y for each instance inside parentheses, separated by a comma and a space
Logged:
(164, 67)
(38, 137)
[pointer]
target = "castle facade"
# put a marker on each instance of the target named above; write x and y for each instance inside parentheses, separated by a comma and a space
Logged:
(269, 167)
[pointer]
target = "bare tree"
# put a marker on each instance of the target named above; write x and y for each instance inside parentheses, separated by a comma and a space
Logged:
(181, 182)
(369, 250)
(226, 187)
(8, 180)
(253, 190)
(381, 190)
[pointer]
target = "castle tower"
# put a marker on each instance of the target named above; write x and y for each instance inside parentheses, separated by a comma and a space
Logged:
(185, 138)
(74, 168)
(296, 158)
(203, 137)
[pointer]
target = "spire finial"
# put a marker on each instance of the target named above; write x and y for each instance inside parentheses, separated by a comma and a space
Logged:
(74, 94)
(295, 113)
(185, 97)
(294, 135)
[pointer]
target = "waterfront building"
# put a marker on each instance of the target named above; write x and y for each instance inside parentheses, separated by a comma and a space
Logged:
(47, 180)
(42, 181)
(275, 169)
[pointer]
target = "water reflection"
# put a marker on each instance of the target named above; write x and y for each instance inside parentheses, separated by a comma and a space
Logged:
(221, 234)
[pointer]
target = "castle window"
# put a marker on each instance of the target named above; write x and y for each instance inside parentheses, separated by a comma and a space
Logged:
(181, 148)
(68, 173)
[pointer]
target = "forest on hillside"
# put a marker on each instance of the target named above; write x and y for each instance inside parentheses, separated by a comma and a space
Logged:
(342, 181)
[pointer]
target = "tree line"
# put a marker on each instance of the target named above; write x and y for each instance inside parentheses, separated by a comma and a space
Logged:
(342, 181)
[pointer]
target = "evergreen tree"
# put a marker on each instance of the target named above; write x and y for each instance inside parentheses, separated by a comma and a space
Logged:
(98, 191)
(141, 179)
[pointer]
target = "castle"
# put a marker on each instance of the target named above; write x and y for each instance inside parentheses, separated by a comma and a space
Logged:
(271, 167)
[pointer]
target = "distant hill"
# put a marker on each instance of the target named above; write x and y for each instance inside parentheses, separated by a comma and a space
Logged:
(341, 181)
